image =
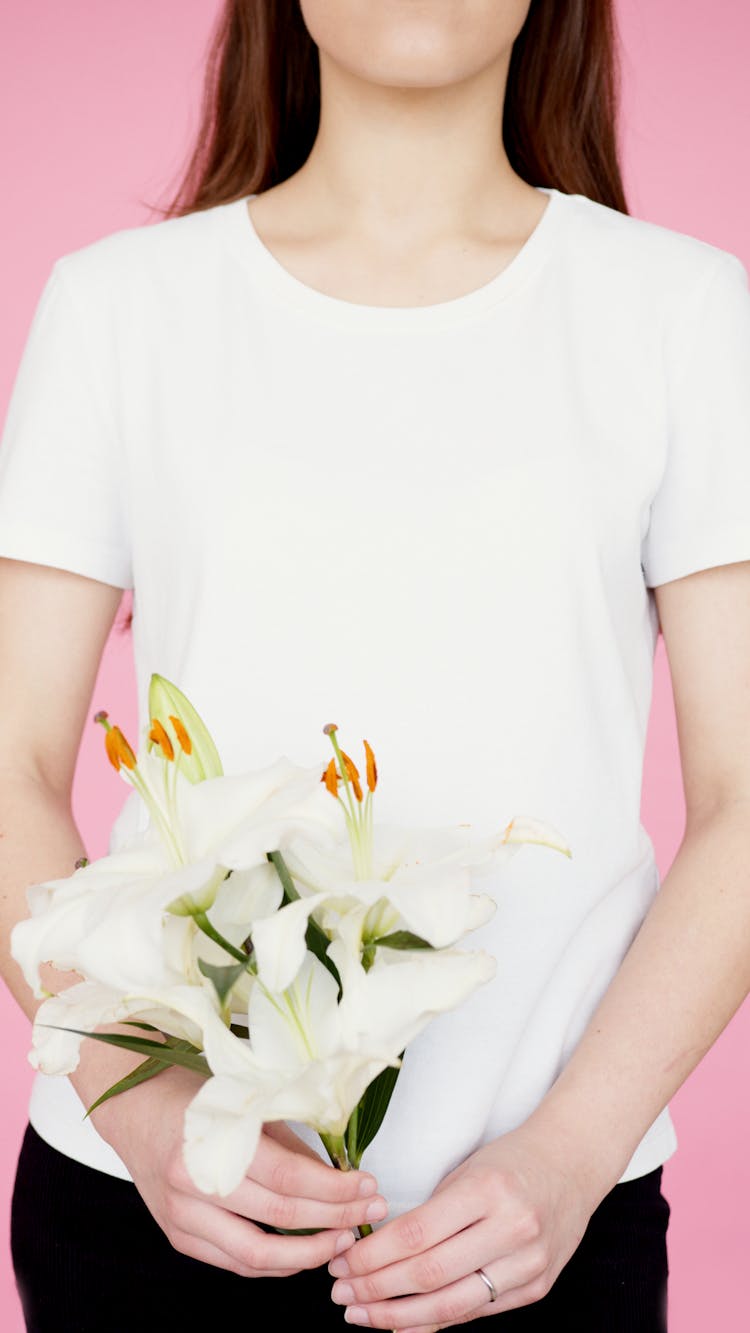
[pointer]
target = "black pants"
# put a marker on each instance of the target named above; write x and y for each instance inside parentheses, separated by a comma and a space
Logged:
(89, 1258)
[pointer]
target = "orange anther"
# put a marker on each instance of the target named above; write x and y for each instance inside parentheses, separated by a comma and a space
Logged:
(182, 735)
(331, 778)
(352, 773)
(118, 750)
(158, 734)
(372, 769)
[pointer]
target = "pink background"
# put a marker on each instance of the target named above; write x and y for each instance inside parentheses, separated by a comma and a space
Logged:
(103, 100)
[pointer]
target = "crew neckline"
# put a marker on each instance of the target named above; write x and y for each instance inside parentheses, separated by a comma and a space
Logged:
(282, 284)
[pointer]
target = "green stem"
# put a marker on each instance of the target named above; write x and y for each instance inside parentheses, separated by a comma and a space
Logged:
(344, 776)
(335, 1146)
(203, 923)
(351, 1137)
(336, 1149)
(282, 870)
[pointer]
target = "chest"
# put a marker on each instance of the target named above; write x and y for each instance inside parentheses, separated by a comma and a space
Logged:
(494, 455)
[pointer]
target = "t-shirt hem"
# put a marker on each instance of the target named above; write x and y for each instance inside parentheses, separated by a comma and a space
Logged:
(83, 1144)
(654, 1150)
(46, 547)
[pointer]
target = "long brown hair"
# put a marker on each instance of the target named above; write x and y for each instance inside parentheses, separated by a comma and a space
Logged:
(261, 104)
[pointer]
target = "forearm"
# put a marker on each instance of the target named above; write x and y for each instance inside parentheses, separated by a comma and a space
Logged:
(39, 841)
(685, 974)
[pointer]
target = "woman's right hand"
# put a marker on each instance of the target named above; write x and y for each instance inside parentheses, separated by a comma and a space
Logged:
(287, 1185)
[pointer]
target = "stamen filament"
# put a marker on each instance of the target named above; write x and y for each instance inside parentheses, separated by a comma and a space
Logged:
(133, 775)
(343, 772)
(358, 816)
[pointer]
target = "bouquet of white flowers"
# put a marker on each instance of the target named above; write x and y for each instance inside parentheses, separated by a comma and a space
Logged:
(263, 931)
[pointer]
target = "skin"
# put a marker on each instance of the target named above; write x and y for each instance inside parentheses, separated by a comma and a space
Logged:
(407, 198)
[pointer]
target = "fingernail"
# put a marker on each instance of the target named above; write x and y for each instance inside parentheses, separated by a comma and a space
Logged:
(342, 1243)
(376, 1211)
(356, 1314)
(342, 1293)
(338, 1268)
(367, 1185)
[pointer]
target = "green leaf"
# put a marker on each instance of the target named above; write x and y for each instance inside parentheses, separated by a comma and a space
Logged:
(402, 939)
(223, 978)
(147, 1027)
(164, 1052)
(368, 1116)
(164, 698)
(317, 942)
(140, 1075)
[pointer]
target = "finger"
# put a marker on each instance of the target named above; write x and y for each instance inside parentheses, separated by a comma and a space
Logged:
(410, 1234)
(196, 1248)
(280, 1131)
(246, 1244)
(284, 1171)
(291, 1214)
(445, 1263)
(454, 1304)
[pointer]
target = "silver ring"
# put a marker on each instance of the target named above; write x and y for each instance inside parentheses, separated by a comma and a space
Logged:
(487, 1282)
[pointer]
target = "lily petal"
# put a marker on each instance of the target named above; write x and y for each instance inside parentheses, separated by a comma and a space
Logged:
(279, 941)
(182, 1011)
(222, 1128)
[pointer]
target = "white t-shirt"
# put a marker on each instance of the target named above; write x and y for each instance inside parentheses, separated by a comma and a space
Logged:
(438, 526)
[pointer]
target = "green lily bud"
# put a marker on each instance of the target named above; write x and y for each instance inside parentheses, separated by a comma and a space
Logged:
(178, 728)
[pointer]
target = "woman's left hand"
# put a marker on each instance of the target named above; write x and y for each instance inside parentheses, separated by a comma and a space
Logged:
(516, 1208)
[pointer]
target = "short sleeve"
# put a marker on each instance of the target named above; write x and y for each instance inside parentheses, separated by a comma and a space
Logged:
(700, 514)
(61, 484)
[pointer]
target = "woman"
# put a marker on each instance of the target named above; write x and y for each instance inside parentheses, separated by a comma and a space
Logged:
(397, 416)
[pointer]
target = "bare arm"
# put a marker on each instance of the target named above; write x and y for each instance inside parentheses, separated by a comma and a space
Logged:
(53, 629)
(688, 968)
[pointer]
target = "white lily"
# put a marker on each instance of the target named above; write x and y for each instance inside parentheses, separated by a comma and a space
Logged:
(376, 880)
(128, 924)
(117, 920)
(310, 1058)
(153, 929)
(217, 822)
(136, 959)
(414, 880)
(106, 921)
